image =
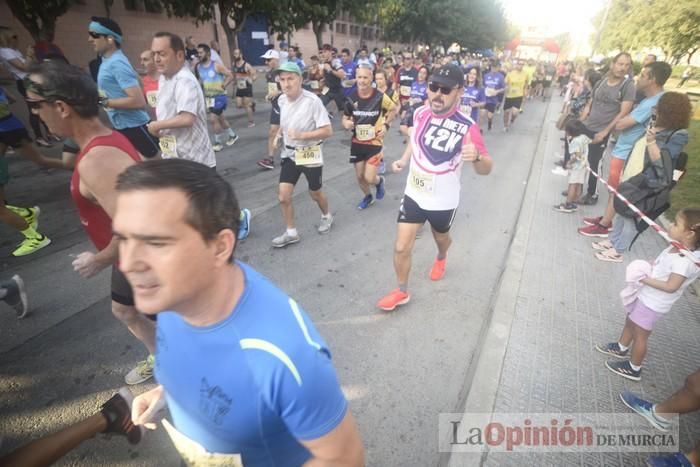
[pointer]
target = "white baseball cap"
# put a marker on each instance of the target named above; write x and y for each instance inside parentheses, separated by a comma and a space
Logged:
(271, 53)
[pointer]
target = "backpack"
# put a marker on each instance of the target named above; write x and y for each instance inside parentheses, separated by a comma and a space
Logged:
(650, 190)
(620, 92)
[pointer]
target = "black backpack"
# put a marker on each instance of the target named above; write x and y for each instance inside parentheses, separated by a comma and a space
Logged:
(650, 190)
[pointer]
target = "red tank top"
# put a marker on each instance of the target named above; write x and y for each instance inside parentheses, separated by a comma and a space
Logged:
(96, 221)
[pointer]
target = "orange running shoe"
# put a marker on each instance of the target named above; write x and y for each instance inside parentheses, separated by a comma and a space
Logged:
(438, 270)
(395, 298)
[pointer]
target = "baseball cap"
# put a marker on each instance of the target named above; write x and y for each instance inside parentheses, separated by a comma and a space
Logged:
(271, 53)
(290, 67)
(449, 75)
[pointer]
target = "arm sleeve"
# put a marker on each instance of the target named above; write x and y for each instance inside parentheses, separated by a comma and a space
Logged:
(320, 114)
(684, 266)
(387, 104)
(630, 92)
(478, 141)
(126, 76)
(187, 95)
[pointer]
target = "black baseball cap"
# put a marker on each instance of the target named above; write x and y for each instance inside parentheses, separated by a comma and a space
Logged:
(448, 75)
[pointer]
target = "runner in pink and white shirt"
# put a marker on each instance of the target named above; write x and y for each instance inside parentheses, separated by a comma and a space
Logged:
(442, 139)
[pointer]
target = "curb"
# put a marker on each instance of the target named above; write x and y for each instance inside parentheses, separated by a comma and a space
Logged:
(490, 354)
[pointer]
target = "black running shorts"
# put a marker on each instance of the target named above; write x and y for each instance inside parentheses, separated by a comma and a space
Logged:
(247, 92)
(290, 173)
(15, 138)
(513, 103)
(411, 213)
(142, 140)
(490, 108)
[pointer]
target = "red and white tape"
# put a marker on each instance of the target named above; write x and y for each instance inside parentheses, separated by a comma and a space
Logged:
(681, 248)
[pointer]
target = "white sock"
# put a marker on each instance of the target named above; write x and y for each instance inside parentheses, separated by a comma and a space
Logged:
(622, 347)
(635, 367)
(292, 232)
(326, 216)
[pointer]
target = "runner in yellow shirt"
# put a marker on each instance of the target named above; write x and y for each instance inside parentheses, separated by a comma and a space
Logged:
(516, 85)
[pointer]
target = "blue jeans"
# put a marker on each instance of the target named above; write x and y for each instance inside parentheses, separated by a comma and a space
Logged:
(623, 232)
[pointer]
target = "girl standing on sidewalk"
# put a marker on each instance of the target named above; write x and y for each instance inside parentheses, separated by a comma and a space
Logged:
(671, 273)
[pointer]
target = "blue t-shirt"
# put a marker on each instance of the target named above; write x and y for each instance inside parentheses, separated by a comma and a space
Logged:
(419, 91)
(8, 122)
(495, 80)
(252, 384)
(349, 69)
(473, 95)
(641, 114)
(116, 74)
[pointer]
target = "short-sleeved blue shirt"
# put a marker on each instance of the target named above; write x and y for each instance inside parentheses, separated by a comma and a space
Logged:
(641, 114)
(254, 383)
(116, 74)
(495, 80)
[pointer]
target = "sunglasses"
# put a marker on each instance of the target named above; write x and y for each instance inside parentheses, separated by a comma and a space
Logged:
(35, 104)
(95, 35)
(434, 87)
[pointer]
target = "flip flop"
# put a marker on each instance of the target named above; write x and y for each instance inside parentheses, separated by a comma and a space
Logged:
(602, 245)
(610, 256)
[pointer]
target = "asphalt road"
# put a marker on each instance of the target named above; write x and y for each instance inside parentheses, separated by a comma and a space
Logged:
(399, 370)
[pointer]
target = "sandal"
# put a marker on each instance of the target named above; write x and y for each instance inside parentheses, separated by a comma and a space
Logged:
(602, 245)
(610, 255)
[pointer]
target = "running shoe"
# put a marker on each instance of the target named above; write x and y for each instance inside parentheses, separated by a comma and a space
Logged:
(596, 230)
(566, 207)
(326, 224)
(645, 409)
(43, 143)
(267, 163)
(30, 215)
(31, 245)
(624, 369)
(613, 349)
(366, 202)
(676, 460)
(395, 298)
(244, 228)
(284, 240)
(380, 188)
(592, 220)
(251, 124)
(142, 372)
(437, 272)
(382, 168)
(16, 295)
(117, 411)
(231, 141)
(217, 147)
(560, 171)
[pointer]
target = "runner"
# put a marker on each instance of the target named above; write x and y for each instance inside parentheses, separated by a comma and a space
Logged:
(273, 93)
(304, 126)
(245, 77)
(549, 72)
(14, 294)
(473, 99)
(182, 118)
(215, 78)
(494, 86)
(150, 81)
(383, 81)
(66, 99)
(403, 80)
(442, 139)
(24, 220)
(349, 67)
(314, 77)
(417, 98)
(333, 75)
(530, 69)
(120, 88)
(516, 85)
(283, 404)
(368, 114)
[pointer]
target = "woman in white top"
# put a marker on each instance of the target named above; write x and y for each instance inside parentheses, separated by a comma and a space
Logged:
(17, 64)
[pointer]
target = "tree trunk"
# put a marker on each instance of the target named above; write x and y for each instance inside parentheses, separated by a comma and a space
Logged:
(231, 33)
(318, 32)
(691, 53)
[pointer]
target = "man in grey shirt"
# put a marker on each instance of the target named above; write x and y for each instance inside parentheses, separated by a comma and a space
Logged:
(613, 98)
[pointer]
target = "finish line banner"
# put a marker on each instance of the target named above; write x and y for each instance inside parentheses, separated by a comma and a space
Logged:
(554, 432)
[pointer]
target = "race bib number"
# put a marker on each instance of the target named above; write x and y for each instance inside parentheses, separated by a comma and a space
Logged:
(242, 83)
(209, 101)
(405, 91)
(466, 109)
(325, 90)
(548, 78)
(314, 84)
(152, 98)
(364, 132)
(415, 100)
(491, 92)
(308, 155)
(272, 88)
(422, 182)
(194, 453)
(168, 144)
(346, 83)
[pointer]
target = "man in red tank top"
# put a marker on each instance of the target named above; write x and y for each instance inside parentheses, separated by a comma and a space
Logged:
(66, 99)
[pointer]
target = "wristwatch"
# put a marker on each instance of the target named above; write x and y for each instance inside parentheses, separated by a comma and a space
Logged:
(478, 157)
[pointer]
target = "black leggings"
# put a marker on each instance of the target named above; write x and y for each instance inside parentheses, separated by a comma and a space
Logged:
(595, 154)
(34, 119)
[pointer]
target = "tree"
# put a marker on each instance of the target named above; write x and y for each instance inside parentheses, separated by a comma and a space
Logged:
(39, 16)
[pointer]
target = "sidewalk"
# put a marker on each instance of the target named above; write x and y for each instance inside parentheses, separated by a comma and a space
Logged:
(564, 302)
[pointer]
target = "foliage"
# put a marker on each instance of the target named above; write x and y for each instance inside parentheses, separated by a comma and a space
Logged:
(687, 193)
(39, 16)
(672, 25)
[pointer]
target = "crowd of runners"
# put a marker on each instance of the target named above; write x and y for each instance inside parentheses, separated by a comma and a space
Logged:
(167, 225)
